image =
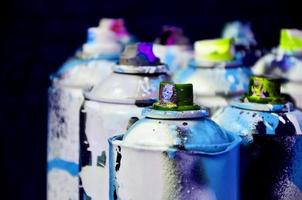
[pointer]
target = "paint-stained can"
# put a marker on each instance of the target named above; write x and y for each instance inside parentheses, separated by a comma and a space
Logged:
(285, 62)
(112, 106)
(217, 76)
(270, 128)
(78, 74)
(65, 102)
(174, 152)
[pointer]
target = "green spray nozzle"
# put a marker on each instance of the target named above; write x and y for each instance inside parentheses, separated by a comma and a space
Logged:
(264, 90)
(178, 97)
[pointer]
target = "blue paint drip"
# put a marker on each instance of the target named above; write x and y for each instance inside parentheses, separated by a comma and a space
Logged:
(71, 167)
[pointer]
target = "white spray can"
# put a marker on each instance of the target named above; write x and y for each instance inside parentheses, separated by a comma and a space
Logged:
(89, 66)
(174, 153)
(109, 107)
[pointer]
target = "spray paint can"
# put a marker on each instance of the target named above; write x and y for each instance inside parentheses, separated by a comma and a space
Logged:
(217, 76)
(285, 62)
(174, 152)
(173, 48)
(109, 107)
(89, 66)
(245, 44)
(271, 150)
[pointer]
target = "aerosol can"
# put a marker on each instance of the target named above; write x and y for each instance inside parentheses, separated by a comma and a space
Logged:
(173, 48)
(285, 62)
(174, 152)
(245, 43)
(89, 66)
(215, 73)
(271, 150)
(109, 108)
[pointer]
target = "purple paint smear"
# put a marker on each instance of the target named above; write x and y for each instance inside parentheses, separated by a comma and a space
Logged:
(146, 50)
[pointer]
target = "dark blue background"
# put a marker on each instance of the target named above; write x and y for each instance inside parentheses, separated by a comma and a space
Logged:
(37, 36)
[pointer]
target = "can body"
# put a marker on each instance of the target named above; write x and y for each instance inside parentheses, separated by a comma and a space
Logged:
(275, 170)
(102, 121)
(63, 142)
(270, 154)
(246, 122)
(65, 99)
(137, 173)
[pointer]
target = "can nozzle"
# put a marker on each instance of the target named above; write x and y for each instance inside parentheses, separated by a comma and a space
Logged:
(264, 90)
(178, 97)
(139, 54)
(291, 40)
(218, 50)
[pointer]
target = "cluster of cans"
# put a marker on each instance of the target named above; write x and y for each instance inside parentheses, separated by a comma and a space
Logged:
(124, 121)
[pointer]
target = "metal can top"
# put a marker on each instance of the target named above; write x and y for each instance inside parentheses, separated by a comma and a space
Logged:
(175, 102)
(264, 90)
(140, 59)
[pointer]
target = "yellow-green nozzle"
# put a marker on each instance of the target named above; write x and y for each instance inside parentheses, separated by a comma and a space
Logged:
(217, 50)
(291, 40)
(175, 97)
(264, 90)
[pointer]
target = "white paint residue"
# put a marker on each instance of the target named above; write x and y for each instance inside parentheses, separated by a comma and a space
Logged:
(141, 175)
(61, 185)
(145, 88)
(205, 192)
(281, 119)
(293, 119)
(93, 178)
(94, 132)
(231, 78)
(151, 134)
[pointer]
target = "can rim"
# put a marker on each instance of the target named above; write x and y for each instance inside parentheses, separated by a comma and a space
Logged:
(286, 107)
(129, 69)
(103, 56)
(172, 114)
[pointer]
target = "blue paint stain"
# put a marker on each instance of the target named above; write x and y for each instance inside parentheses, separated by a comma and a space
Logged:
(71, 167)
(169, 60)
(271, 122)
(237, 74)
(184, 74)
